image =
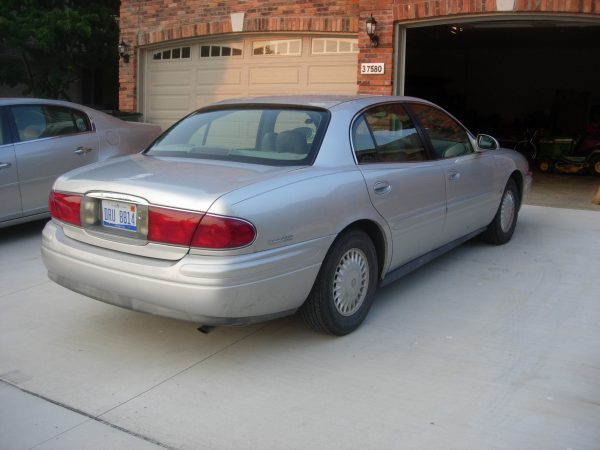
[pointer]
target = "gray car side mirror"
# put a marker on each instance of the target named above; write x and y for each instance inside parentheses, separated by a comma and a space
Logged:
(486, 142)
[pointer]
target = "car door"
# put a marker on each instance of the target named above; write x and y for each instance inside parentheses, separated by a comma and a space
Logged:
(52, 139)
(469, 176)
(404, 185)
(10, 197)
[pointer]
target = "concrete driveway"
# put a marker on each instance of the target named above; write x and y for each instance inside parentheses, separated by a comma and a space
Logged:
(485, 348)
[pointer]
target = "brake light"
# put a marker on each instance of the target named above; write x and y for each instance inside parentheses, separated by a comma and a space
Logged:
(193, 229)
(65, 207)
(172, 226)
(216, 232)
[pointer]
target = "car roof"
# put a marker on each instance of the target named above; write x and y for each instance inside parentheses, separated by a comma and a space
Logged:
(33, 101)
(320, 101)
(314, 101)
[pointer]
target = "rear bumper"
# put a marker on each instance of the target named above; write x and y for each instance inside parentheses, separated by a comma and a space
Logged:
(208, 290)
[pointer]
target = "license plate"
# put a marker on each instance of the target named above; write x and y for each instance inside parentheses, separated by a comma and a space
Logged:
(119, 215)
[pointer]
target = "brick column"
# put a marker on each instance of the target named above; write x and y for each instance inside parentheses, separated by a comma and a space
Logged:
(382, 12)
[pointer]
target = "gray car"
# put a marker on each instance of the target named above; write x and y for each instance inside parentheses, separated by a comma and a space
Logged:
(42, 139)
(253, 209)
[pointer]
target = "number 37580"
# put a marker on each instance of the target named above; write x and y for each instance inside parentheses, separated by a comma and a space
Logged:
(372, 68)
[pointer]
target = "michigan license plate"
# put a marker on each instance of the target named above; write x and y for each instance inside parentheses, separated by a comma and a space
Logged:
(119, 215)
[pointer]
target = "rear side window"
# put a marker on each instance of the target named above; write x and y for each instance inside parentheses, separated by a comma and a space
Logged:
(448, 138)
(272, 136)
(43, 121)
(386, 134)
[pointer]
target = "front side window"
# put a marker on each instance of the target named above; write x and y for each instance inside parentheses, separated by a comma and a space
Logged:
(448, 138)
(272, 136)
(386, 133)
(43, 121)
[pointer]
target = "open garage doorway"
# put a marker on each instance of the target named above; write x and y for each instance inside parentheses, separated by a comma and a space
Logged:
(509, 77)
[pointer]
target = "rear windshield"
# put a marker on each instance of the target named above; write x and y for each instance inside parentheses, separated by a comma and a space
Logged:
(272, 136)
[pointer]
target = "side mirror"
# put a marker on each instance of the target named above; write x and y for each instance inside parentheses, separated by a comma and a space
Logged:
(486, 142)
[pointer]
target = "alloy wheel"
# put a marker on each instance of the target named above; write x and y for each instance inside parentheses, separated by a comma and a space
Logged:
(351, 282)
(507, 211)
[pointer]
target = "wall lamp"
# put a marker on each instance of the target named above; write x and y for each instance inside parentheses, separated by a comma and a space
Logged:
(371, 26)
(124, 51)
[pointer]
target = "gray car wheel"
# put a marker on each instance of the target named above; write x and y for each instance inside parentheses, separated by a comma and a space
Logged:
(345, 287)
(501, 229)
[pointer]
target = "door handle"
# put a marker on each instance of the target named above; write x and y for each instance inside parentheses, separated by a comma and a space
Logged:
(382, 187)
(4, 165)
(82, 150)
(453, 175)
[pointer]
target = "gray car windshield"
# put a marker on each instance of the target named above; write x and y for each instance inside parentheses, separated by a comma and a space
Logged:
(272, 136)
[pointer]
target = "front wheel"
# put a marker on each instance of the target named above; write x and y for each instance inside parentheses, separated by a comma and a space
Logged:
(345, 287)
(501, 229)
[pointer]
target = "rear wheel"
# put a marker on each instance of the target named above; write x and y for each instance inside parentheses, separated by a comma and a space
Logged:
(345, 287)
(546, 165)
(501, 229)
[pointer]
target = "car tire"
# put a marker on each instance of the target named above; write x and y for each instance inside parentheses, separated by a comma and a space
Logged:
(501, 229)
(594, 166)
(345, 287)
(546, 165)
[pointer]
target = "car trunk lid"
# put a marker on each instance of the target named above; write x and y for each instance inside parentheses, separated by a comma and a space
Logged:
(120, 195)
(182, 183)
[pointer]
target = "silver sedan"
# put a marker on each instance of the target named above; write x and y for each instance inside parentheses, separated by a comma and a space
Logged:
(253, 209)
(42, 139)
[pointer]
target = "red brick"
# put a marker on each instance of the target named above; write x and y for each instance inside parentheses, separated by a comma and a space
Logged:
(156, 21)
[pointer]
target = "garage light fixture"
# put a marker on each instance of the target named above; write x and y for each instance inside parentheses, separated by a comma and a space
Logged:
(124, 51)
(455, 29)
(371, 26)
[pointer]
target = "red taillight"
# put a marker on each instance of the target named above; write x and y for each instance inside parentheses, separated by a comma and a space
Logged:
(65, 207)
(172, 226)
(216, 232)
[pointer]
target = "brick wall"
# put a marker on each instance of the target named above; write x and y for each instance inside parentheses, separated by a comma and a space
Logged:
(383, 12)
(153, 21)
(146, 22)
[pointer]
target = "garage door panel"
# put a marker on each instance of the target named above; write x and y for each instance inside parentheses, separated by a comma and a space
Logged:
(172, 102)
(216, 77)
(331, 74)
(274, 75)
(220, 90)
(203, 100)
(170, 78)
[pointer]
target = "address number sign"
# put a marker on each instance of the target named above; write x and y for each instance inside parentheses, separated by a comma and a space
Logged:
(372, 68)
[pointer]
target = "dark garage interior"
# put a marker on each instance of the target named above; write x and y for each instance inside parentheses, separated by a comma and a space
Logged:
(507, 78)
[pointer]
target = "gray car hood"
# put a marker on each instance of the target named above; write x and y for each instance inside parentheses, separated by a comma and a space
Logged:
(184, 183)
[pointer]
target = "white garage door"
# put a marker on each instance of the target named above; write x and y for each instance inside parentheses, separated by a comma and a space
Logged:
(180, 79)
